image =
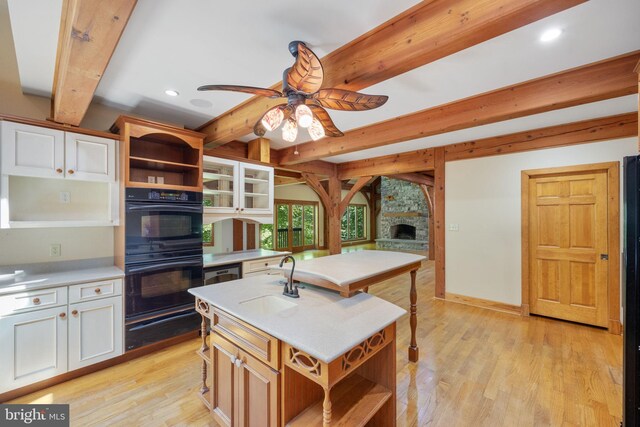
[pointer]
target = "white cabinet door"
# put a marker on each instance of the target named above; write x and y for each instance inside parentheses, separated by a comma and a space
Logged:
(90, 158)
(256, 189)
(34, 347)
(220, 185)
(32, 151)
(95, 331)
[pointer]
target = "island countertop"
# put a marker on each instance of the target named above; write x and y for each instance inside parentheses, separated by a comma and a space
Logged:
(213, 260)
(320, 322)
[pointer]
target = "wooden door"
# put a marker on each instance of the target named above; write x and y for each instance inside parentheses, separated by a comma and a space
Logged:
(95, 331)
(224, 371)
(568, 237)
(34, 347)
(90, 158)
(32, 151)
(258, 387)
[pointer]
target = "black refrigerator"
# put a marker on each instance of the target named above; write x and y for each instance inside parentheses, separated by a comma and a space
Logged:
(631, 302)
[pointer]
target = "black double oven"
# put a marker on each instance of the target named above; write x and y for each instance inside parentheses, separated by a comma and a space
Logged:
(163, 260)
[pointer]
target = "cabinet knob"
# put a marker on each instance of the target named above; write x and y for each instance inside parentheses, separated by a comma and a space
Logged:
(63, 315)
(70, 171)
(233, 359)
(97, 290)
(36, 301)
(74, 312)
(238, 363)
(58, 170)
(241, 209)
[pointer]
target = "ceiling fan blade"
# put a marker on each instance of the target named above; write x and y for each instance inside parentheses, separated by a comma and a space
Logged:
(321, 114)
(269, 93)
(306, 75)
(346, 100)
(260, 130)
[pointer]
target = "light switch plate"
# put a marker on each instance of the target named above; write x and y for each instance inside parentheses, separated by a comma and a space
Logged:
(454, 227)
(55, 250)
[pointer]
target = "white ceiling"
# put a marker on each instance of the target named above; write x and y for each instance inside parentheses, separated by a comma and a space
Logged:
(182, 45)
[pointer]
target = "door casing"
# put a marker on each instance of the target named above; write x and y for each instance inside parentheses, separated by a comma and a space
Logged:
(613, 230)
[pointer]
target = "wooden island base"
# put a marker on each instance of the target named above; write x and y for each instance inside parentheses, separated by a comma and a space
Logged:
(252, 378)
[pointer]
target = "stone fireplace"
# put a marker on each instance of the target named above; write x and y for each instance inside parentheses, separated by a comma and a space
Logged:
(404, 216)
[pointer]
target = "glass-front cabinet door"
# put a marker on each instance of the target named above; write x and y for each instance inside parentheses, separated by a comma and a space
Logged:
(220, 189)
(256, 186)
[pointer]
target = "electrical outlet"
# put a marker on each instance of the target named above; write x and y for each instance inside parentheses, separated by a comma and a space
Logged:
(55, 249)
(65, 197)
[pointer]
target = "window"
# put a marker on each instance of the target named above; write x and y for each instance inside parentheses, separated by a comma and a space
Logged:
(266, 236)
(207, 235)
(353, 223)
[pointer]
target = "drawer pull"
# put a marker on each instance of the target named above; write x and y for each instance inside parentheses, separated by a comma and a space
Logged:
(97, 290)
(36, 301)
(74, 312)
(266, 264)
(63, 315)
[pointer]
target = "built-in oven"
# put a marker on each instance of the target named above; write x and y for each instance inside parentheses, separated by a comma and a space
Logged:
(163, 260)
(222, 273)
(160, 221)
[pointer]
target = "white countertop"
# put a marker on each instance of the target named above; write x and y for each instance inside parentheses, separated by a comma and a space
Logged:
(350, 267)
(212, 260)
(27, 282)
(321, 323)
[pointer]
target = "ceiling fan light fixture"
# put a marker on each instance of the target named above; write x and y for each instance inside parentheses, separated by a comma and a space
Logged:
(272, 119)
(316, 130)
(304, 117)
(290, 130)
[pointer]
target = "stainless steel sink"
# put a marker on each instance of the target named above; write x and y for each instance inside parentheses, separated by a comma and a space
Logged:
(268, 304)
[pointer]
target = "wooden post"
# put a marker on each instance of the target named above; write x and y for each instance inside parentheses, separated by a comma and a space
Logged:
(439, 221)
(428, 195)
(259, 149)
(334, 217)
(413, 318)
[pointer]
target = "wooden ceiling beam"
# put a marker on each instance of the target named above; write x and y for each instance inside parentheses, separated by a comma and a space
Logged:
(414, 178)
(429, 31)
(583, 132)
(357, 186)
(89, 33)
(598, 81)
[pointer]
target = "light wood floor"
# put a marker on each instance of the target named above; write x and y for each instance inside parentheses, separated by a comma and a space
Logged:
(477, 368)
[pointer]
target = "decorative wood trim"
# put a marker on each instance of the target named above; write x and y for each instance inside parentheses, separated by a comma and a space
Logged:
(484, 303)
(58, 126)
(89, 33)
(414, 178)
(439, 222)
(359, 184)
(593, 130)
(613, 231)
(598, 81)
(424, 33)
(313, 182)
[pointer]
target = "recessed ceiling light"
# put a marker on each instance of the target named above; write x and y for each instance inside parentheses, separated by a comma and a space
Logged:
(171, 92)
(550, 34)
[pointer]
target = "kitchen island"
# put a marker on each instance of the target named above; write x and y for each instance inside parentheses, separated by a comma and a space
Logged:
(320, 359)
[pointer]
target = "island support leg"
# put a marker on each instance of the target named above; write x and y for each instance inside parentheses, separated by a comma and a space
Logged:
(326, 408)
(204, 348)
(413, 319)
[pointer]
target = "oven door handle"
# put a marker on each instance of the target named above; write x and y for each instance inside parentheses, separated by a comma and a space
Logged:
(132, 207)
(142, 269)
(161, 321)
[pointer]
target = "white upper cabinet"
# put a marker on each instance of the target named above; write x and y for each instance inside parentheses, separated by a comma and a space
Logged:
(32, 151)
(90, 158)
(233, 189)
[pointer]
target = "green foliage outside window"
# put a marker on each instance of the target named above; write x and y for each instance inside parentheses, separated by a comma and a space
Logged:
(353, 223)
(266, 236)
(207, 234)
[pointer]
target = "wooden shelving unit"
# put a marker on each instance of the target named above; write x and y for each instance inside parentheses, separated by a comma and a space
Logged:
(153, 151)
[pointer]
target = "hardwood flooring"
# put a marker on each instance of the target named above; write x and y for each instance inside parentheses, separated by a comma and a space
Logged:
(477, 368)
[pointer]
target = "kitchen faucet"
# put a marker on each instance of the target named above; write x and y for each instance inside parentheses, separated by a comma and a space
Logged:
(290, 289)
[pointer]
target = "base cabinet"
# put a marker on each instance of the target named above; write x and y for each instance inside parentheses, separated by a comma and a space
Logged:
(34, 347)
(245, 391)
(95, 331)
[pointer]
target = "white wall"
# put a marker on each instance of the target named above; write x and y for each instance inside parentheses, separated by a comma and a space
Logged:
(21, 246)
(483, 198)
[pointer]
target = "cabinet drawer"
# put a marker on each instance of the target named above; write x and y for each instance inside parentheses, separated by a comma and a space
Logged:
(95, 290)
(259, 344)
(32, 300)
(263, 273)
(259, 264)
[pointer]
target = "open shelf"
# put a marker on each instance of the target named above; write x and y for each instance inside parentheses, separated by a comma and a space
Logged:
(210, 176)
(208, 191)
(256, 181)
(161, 165)
(256, 194)
(355, 400)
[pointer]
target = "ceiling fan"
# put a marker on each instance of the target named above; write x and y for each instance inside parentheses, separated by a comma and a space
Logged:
(301, 86)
